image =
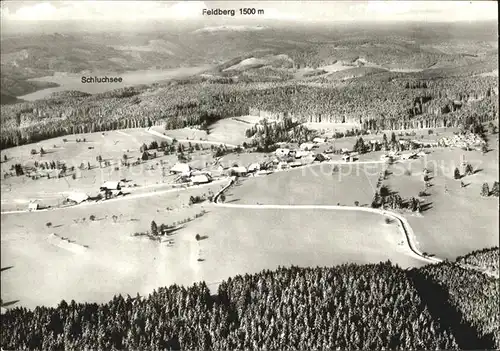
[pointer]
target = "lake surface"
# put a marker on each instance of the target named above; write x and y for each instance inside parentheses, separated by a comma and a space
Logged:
(73, 81)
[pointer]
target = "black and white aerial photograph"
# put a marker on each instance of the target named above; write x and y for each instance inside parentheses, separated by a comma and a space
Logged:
(249, 175)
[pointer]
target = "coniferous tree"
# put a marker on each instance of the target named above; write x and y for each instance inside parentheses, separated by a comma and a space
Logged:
(393, 138)
(385, 142)
(495, 189)
(468, 169)
(154, 228)
(485, 190)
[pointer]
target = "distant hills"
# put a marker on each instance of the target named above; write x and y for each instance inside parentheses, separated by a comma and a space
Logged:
(228, 28)
(249, 51)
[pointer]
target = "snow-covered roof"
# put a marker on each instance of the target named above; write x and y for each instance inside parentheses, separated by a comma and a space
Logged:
(305, 146)
(302, 153)
(239, 169)
(201, 178)
(180, 168)
(77, 197)
(319, 140)
(111, 184)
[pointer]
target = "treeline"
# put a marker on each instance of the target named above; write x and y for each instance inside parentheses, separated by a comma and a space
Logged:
(374, 104)
(486, 258)
(350, 306)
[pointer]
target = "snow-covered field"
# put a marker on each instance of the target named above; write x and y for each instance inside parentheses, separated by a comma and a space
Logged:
(234, 241)
(311, 185)
(459, 220)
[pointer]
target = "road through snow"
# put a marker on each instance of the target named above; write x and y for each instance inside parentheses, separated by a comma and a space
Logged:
(406, 229)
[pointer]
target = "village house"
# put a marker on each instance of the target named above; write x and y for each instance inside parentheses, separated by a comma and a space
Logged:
(182, 168)
(282, 152)
(307, 146)
(112, 185)
(239, 171)
(302, 153)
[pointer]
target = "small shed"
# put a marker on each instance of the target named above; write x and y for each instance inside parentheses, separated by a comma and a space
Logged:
(33, 206)
(180, 168)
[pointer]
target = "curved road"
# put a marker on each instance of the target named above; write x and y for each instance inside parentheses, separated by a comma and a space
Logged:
(407, 230)
(122, 198)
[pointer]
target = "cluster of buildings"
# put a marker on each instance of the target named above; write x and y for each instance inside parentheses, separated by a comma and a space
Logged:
(468, 140)
(185, 173)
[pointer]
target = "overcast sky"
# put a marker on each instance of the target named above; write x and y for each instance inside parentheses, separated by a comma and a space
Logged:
(280, 10)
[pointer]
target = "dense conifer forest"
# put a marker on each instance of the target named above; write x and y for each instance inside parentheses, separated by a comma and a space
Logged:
(398, 103)
(375, 306)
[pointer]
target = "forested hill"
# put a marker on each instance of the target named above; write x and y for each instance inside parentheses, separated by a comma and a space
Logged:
(376, 306)
(397, 102)
(398, 46)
